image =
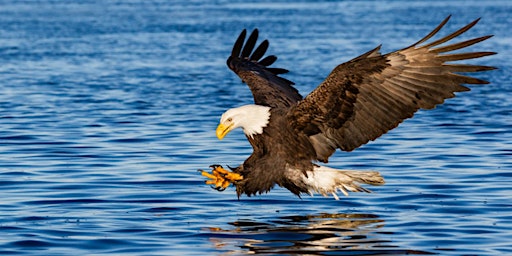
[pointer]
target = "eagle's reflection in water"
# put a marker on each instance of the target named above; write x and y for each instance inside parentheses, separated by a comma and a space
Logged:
(322, 234)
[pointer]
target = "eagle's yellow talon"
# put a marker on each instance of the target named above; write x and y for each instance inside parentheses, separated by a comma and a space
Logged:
(219, 169)
(210, 182)
(210, 176)
(219, 182)
(220, 178)
(225, 184)
(234, 176)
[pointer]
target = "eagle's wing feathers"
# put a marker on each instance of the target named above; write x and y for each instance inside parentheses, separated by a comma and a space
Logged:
(366, 97)
(268, 88)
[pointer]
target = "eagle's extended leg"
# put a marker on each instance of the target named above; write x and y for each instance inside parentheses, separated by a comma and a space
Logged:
(220, 178)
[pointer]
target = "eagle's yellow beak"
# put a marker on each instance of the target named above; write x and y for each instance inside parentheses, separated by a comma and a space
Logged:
(222, 130)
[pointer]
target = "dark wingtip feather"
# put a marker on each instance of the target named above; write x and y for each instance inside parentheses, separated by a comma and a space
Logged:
(453, 35)
(460, 45)
(242, 53)
(260, 51)
(463, 56)
(245, 57)
(433, 32)
(249, 45)
(269, 60)
(239, 43)
(278, 71)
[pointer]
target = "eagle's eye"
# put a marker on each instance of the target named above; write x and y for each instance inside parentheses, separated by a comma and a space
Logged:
(230, 120)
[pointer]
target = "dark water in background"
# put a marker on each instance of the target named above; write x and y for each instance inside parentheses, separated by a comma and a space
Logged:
(108, 108)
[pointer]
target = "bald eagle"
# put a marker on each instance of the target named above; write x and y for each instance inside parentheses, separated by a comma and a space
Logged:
(359, 101)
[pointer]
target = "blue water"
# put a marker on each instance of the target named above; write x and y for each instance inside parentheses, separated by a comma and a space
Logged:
(108, 108)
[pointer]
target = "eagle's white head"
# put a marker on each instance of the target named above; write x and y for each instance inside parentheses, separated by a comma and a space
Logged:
(251, 118)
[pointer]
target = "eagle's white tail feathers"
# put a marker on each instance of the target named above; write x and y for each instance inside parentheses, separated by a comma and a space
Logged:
(326, 180)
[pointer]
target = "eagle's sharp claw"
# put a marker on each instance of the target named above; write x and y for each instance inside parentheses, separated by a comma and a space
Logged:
(220, 178)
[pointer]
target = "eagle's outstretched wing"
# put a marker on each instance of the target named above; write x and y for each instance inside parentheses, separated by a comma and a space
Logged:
(268, 88)
(364, 98)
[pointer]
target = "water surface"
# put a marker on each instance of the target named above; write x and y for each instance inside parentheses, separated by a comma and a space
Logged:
(108, 108)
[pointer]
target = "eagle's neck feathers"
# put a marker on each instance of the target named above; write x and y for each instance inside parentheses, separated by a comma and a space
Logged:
(256, 118)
